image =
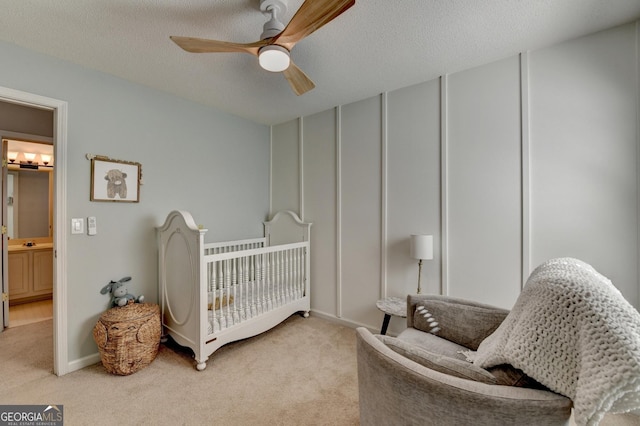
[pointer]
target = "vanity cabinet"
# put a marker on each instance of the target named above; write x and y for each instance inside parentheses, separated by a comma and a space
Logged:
(30, 274)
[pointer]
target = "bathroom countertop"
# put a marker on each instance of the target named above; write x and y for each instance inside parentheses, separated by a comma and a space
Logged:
(37, 246)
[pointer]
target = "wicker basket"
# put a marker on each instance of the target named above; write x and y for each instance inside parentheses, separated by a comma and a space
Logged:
(128, 337)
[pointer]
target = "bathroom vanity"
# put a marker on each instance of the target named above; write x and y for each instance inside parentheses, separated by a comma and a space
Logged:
(30, 272)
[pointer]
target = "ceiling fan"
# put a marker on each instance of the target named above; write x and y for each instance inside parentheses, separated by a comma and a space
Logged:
(276, 41)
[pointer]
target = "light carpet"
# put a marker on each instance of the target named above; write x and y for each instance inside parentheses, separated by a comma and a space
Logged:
(300, 372)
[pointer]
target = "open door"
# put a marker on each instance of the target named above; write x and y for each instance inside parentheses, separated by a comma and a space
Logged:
(4, 310)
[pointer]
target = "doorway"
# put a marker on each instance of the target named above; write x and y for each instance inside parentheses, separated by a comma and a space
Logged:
(59, 240)
(27, 209)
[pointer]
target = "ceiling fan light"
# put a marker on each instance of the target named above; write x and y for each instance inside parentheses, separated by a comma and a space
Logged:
(274, 58)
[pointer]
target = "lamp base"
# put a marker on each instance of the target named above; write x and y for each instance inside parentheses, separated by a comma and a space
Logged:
(419, 275)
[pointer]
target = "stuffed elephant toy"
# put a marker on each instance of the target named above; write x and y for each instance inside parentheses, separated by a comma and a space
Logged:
(120, 293)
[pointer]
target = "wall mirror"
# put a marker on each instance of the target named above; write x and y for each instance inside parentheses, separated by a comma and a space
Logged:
(29, 197)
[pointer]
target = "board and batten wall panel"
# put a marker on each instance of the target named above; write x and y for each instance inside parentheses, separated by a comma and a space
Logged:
(360, 215)
(285, 167)
(413, 185)
(584, 161)
(538, 159)
(319, 169)
(484, 183)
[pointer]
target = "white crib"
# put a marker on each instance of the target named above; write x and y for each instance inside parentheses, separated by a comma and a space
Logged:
(211, 294)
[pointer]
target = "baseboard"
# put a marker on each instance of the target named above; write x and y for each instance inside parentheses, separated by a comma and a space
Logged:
(81, 363)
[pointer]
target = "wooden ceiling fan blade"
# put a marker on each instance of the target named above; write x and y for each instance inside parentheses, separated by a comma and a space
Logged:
(312, 15)
(298, 80)
(202, 45)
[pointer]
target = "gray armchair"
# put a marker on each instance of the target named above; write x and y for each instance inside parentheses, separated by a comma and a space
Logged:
(421, 377)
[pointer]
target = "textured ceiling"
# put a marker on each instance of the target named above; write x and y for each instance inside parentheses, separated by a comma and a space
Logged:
(376, 46)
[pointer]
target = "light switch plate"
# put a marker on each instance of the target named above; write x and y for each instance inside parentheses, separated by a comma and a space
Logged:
(77, 225)
(92, 226)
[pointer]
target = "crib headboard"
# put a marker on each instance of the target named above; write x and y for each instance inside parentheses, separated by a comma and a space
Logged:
(286, 227)
(180, 251)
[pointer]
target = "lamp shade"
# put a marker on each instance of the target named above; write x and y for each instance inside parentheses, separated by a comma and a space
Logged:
(422, 247)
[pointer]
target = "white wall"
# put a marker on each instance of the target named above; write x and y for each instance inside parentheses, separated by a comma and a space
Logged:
(506, 165)
(360, 207)
(193, 158)
(484, 183)
(413, 155)
(320, 177)
(584, 154)
(284, 168)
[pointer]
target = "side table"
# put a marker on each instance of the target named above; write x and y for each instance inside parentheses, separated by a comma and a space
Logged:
(391, 306)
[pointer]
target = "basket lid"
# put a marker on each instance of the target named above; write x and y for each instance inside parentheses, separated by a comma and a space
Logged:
(130, 312)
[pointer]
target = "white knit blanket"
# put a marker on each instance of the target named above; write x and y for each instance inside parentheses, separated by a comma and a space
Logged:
(572, 331)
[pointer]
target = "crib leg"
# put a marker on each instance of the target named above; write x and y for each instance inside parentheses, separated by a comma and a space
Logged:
(305, 314)
(201, 363)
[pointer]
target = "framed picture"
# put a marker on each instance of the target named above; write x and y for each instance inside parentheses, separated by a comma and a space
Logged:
(115, 180)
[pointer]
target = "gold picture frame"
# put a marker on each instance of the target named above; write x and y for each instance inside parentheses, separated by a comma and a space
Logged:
(115, 181)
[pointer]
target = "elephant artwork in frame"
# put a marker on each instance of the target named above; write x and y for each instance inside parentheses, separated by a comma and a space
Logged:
(115, 180)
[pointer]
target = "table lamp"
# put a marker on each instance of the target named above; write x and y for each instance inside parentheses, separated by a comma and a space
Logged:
(421, 249)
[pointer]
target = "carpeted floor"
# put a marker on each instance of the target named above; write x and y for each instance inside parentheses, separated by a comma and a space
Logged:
(300, 372)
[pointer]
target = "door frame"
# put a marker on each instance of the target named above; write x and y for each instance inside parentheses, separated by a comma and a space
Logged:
(59, 108)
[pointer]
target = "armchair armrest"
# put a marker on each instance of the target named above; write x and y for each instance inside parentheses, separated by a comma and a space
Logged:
(396, 390)
(461, 321)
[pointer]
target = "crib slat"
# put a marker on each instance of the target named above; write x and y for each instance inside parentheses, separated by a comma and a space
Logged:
(290, 276)
(244, 284)
(285, 276)
(269, 278)
(298, 273)
(280, 264)
(275, 300)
